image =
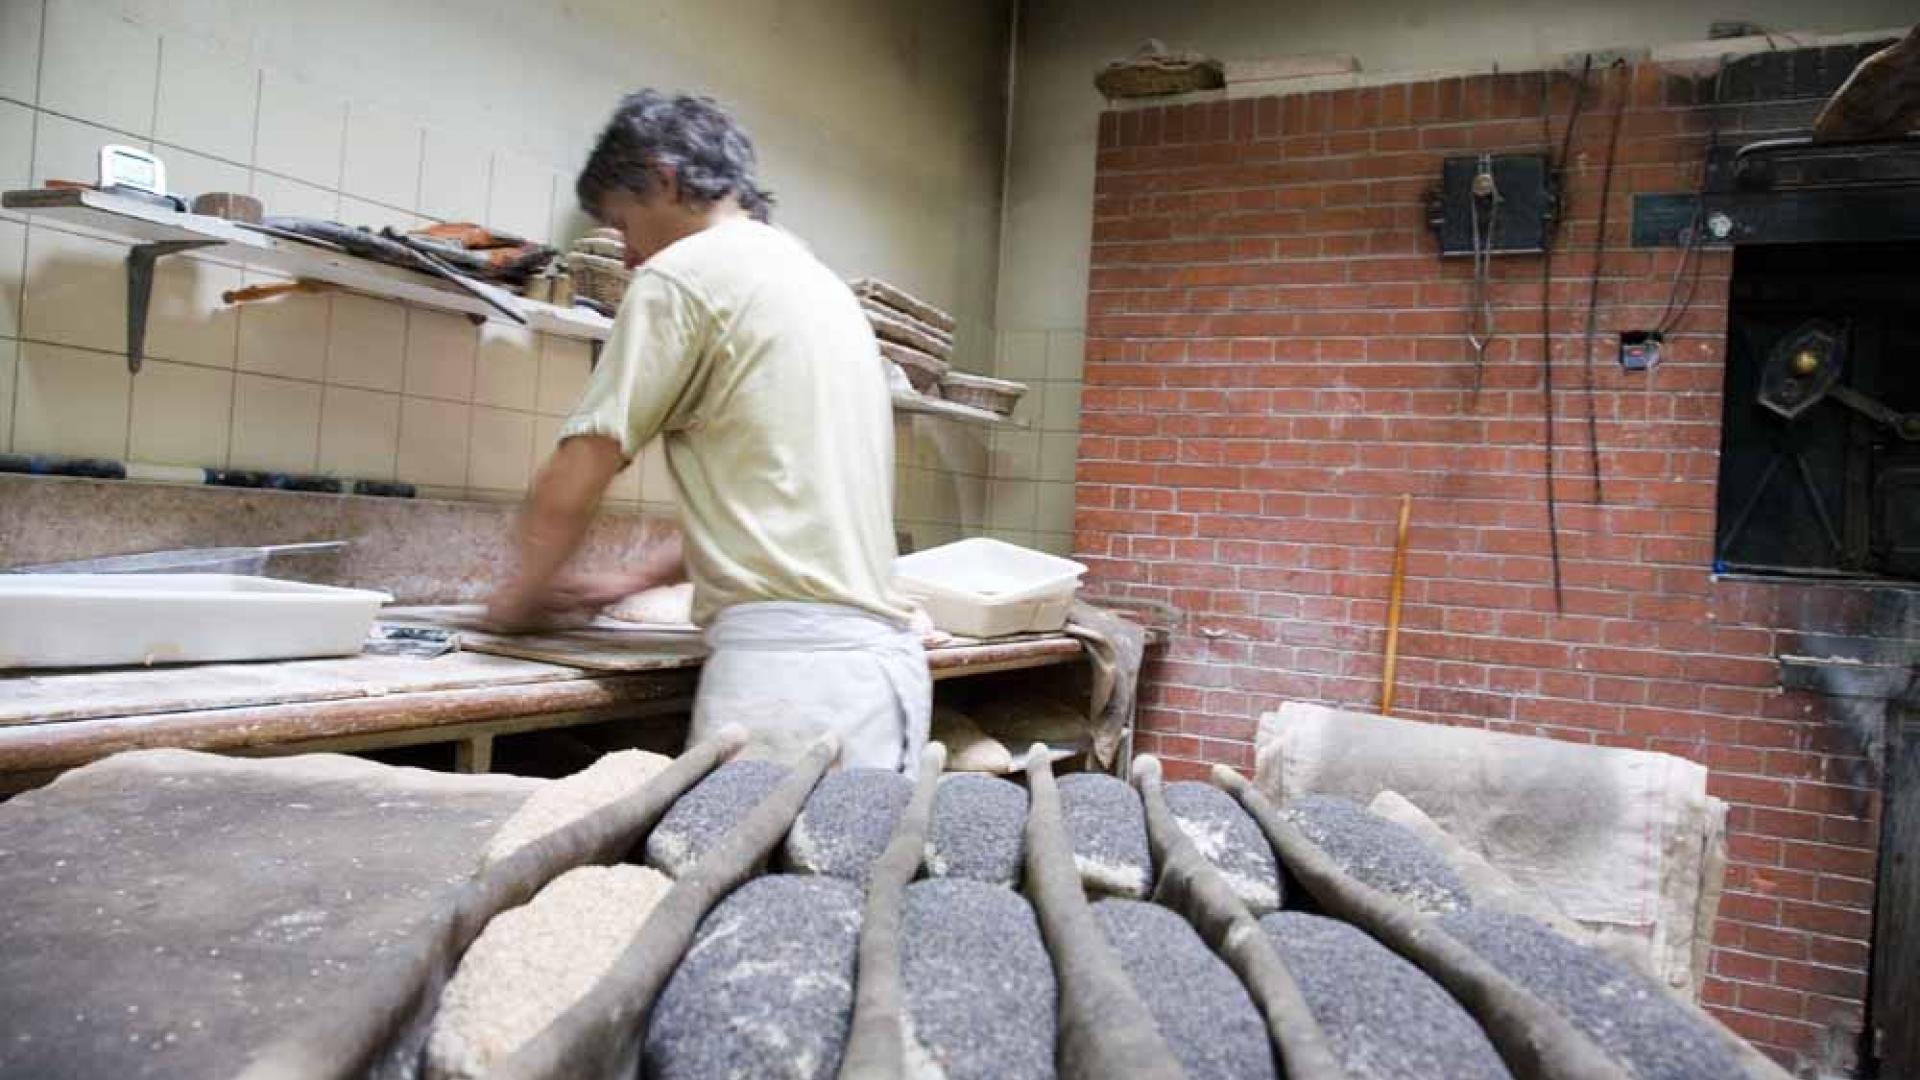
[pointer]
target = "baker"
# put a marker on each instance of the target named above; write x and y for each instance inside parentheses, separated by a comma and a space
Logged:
(756, 366)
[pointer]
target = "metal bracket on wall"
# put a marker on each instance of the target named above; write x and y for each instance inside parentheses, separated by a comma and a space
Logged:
(140, 260)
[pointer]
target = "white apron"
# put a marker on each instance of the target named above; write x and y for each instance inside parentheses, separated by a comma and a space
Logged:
(789, 671)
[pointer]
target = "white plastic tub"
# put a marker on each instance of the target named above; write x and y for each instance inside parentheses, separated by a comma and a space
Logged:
(94, 620)
(988, 588)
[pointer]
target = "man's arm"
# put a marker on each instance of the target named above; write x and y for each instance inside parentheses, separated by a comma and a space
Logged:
(555, 519)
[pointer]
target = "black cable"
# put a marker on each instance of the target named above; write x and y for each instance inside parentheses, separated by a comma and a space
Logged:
(1593, 278)
(1669, 317)
(1546, 304)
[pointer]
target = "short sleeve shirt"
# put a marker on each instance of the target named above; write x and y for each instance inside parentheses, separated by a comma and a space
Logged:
(756, 366)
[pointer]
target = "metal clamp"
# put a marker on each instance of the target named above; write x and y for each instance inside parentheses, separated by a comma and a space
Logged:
(140, 260)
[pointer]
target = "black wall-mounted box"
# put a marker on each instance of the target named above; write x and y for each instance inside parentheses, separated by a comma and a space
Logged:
(1523, 214)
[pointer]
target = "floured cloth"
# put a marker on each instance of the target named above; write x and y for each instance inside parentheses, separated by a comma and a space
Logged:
(171, 913)
(1626, 842)
(1115, 647)
(788, 672)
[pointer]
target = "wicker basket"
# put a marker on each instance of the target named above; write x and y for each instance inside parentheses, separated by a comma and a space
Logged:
(598, 278)
(922, 370)
(900, 300)
(994, 395)
(601, 246)
(1153, 72)
(890, 325)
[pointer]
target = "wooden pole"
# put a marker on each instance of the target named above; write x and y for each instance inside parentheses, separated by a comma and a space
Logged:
(1393, 607)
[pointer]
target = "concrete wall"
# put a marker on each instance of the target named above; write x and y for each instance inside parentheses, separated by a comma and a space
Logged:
(1049, 194)
(880, 127)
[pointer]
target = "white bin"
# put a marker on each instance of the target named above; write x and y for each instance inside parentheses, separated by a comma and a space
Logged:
(988, 588)
(94, 620)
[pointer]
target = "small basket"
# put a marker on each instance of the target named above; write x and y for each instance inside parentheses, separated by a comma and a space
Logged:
(601, 246)
(1154, 72)
(922, 370)
(598, 278)
(902, 329)
(994, 395)
(902, 301)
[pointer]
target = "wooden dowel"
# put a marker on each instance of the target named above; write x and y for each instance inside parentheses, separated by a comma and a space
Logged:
(1393, 607)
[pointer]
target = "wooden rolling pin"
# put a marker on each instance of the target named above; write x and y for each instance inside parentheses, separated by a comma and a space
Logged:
(267, 292)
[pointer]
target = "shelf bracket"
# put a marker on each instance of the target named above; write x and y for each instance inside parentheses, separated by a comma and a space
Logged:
(140, 260)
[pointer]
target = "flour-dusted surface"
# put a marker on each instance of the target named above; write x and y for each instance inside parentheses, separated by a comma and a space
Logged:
(534, 961)
(847, 822)
(562, 802)
(1108, 829)
(766, 990)
(978, 982)
(708, 812)
(1383, 1017)
(1379, 853)
(1204, 1014)
(977, 829)
(172, 914)
(1629, 1015)
(1229, 839)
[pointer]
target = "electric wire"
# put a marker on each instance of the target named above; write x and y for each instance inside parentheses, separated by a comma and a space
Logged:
(1557, 169)
(1593, 273)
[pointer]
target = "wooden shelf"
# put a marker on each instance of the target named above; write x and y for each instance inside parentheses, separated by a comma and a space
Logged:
(157, 232)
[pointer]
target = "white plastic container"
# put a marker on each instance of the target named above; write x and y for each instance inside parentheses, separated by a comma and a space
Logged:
(94, 620)
(988, 588)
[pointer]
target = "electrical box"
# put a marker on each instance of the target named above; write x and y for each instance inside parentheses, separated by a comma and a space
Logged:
(1494, 204)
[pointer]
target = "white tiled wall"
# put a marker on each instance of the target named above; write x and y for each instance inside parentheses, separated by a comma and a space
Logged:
(332, 383)
(1030, 494)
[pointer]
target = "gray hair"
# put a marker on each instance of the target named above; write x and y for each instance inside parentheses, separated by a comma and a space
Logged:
(708, 152)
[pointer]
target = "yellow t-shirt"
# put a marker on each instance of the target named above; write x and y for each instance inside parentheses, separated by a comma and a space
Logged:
(758, 368)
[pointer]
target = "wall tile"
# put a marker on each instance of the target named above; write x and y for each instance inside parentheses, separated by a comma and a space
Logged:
(302, 130)
(1060, 544)
(359, 433)
(13, 267)
(285, 336)
(1016, 454)
(382, 156)
(190, 174)
(453, 179)
(508, 372)
(500, 454)
(567, 221)
(1060, 406)
(16, 148)
(564, 366)
(520, 199)
(9, 370)
(181, 415)
(76, 290)
(376, 216)
(276, 424)
(66, 149)
(440, 355)
(1066, 354)
(433, 442)
(281, 197)
(71, 401)
(367, 343)
(187, 320)
(99, 67)
(1023, 355)
(626, 485)
(20, 49)
(1058, 454)
(1011, 503)
(208, 100)
(546, 436)
(1053, 511)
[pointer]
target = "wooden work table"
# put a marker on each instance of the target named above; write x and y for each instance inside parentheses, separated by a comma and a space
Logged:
(56, 721)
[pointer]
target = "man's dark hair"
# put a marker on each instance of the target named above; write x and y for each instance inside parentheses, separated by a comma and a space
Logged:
(708, 152)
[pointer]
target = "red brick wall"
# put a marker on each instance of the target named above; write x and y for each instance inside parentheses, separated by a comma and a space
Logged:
(1275, 355)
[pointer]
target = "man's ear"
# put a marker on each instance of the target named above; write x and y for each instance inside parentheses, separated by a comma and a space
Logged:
(667, 179)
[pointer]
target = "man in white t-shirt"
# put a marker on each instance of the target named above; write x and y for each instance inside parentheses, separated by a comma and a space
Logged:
(756, 366)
